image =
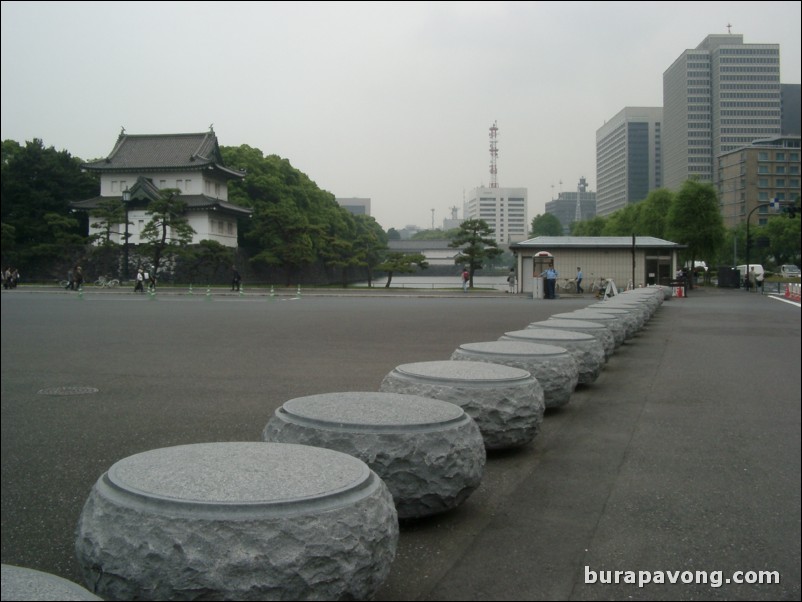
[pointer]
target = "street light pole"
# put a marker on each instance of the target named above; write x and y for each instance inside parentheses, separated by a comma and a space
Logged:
(758, 206)
(126, 199)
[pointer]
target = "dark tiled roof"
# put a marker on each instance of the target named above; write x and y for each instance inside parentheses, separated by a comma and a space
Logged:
(162, 151)
(194, 202)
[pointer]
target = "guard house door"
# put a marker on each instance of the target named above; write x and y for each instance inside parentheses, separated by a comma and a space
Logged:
(540, 262)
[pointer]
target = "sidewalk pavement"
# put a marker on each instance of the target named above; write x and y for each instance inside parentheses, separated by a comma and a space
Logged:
(683, 456)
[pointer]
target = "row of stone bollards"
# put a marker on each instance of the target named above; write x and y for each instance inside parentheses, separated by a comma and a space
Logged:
(312, 510)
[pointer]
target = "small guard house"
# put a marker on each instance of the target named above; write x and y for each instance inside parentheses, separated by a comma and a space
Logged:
(627, 260)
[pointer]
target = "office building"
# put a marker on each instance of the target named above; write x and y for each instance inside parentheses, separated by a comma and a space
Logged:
(718, 97)
(753, 175)
(570, 207)
(504, 209)
(628, 158)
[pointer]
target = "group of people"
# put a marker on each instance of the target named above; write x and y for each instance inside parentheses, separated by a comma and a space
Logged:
(10, 278)
(142, 277)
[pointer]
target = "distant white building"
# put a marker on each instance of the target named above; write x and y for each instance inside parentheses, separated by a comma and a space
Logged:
(354, 205)
(504, 209)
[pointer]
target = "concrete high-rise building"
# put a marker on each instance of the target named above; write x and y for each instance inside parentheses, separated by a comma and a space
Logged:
(628, 158)
(570, 207)
(757, 174)
(718, 97)
(504, 209)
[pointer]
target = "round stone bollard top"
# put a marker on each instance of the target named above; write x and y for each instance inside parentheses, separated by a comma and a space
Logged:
(586, 349)
(600, 331)
(430, 453)
(631, 319)
(506, 403)
(159, 525)
(19, 583)
(615, 325)
(554, 367)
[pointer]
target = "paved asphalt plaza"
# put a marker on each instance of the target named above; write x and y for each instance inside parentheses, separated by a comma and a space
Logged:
(681, 460)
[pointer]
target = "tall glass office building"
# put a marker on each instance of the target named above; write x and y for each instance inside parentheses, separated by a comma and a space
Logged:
(718, 97)
(628, 158)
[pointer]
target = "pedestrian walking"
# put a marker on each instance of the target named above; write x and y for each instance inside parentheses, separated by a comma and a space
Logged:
(511, 288)
(236, 280)
(466, 277)
(139, 287)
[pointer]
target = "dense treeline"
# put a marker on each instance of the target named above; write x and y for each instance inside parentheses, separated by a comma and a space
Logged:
(298, 232)
(691, 216)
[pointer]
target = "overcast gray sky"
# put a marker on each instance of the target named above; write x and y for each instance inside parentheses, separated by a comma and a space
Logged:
(391, 101)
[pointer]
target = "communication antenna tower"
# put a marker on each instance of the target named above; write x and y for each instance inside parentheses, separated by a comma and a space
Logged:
(454, 210)
(493, 155)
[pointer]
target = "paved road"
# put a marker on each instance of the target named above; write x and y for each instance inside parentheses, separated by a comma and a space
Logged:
(683, 456)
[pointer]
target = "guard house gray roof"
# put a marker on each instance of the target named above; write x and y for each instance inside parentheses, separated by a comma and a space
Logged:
(594, 242)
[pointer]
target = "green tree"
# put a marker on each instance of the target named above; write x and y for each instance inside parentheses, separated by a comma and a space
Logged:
(168, 230)
(205, 261)
(476, 245)
(623, 222)
(589, 227)
(653, 213)
(695, 220)
(38, 181)
(546, 225)
(369, 245)
(283, 238)
(403, 263)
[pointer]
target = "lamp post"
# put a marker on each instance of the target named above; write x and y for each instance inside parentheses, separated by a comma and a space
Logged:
(126, 199)
(748, 242)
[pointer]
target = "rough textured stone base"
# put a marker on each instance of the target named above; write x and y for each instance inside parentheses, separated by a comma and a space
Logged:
(189, 540)
(506, 403)
(586, 349)
(429, 453)
(553, 367)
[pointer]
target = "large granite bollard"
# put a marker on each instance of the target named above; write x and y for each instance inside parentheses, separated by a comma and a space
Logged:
(429, 453)
(615, 325)
(586, 349)
(600, 331)
(20, 583)
(506, 403)
(238, 521)
(631, 317)
(553, 367)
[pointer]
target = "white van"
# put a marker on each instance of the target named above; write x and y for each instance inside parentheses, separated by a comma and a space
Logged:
(759, 273)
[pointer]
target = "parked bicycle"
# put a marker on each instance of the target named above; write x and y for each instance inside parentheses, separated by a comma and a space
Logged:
(598, 286)
(566, 285)
(106, 282)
